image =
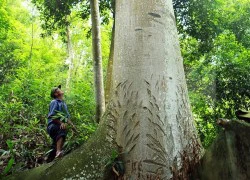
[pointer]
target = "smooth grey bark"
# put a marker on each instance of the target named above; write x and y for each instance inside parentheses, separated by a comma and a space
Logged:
(70, 58)
(32, 38)
(148, 116)
(97, 60)
(155, 124)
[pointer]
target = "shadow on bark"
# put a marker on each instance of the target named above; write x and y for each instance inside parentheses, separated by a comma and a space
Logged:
(228, 158)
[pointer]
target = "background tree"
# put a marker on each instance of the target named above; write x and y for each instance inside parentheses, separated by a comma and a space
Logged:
(24, 96)
(55, 15)
(97, 59)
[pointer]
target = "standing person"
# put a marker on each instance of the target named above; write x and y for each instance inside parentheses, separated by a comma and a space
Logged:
(57, 128)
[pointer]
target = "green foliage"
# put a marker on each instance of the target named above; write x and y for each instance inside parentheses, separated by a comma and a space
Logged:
(215, 46)
(205, 20)
(62, 116)
(113, 157)
(10, 152)
(57, 15)
(9, 166)
(10, 46)
(214, 39)
(217, 81)
(26, 83)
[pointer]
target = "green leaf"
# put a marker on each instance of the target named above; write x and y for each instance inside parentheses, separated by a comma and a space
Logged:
(114, 154)
(10, 144)
(61, 116)
(9, 166)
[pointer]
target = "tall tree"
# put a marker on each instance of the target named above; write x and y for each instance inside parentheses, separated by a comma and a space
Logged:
(110, 68)
(111, 58)
(97, 59)
(148, 119)
(55, 16)
(70, 57)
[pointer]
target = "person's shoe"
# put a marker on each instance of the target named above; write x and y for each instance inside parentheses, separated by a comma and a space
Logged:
(59, 154)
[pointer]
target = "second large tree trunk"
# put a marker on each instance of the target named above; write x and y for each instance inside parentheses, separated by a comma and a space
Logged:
(97, 59)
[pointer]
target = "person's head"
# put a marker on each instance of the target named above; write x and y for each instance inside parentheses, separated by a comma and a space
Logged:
(57, 93)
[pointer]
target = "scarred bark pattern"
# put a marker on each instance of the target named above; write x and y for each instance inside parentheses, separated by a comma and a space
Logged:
(132, 110)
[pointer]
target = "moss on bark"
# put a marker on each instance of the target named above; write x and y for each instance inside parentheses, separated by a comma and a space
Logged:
(86, 162)
(229, 156)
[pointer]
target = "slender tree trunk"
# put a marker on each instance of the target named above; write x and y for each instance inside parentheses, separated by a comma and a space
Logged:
(97, 59)
(111, 59)
(70, 58)
(148, 118)
(110, 67)
(32, 38)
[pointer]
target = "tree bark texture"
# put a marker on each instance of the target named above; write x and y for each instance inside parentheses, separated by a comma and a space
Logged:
(70, 58)
(155, 124)
(97, 59)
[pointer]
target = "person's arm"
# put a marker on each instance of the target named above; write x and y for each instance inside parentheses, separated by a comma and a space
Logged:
(52, 110)
(68, 116)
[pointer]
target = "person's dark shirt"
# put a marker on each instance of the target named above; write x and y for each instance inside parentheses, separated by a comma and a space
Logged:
(57, 105)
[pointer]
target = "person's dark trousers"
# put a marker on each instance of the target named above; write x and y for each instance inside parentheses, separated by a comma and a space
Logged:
(55, 133)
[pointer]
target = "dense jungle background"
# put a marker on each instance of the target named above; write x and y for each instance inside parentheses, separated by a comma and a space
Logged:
(37, 53)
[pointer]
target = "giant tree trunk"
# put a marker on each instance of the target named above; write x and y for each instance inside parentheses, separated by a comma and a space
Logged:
(148, 116)
(97, 59)
(155, 125)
